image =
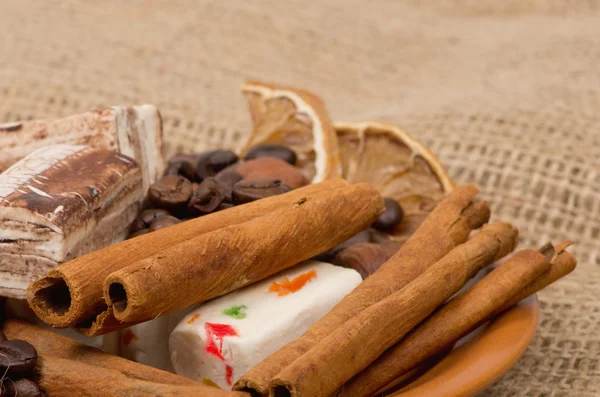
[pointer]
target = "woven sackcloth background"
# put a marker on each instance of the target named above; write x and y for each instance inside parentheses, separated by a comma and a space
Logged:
(506, 93)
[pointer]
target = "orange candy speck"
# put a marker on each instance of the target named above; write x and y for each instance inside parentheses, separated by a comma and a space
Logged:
(288, 286)
(194, 318)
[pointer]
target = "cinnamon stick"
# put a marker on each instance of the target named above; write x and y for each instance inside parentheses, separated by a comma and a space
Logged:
(448, 324)
(102, 324)
(50, 343)
(448, 225)
(216, 263)
(359, 341)
(61, 377)
(71, 293)
(562, 264)
(413, 375)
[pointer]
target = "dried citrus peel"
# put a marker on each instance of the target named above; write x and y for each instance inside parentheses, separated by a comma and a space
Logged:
(309, 111)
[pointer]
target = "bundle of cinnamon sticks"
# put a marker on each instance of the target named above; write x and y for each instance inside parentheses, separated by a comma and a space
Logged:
(401, 316)
(173, 268)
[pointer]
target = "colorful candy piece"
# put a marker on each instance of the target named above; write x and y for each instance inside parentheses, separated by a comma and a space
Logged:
(237, 311)
(193, 318)
(128, 336)
(287, 286)
(147, 343)
(222, 339)
(215, 333)
(209, 382)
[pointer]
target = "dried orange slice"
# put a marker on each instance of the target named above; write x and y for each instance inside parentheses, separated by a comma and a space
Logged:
(399, 167)
(296, 119)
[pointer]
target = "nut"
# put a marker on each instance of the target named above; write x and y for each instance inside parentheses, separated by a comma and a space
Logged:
(366, 258)
(273, 168)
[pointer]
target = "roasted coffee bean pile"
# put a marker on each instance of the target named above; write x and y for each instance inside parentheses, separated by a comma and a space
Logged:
(199, 184)
(17, 363)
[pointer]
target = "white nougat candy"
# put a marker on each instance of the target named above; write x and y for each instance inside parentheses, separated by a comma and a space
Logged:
(148, 343)
(219, 341)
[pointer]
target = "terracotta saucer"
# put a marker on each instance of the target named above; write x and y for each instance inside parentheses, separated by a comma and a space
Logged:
(479, 359)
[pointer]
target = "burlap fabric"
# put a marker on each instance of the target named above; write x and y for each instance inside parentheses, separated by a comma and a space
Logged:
(505, 92)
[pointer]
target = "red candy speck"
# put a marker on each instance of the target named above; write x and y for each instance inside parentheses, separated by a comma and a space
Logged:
(127, 337)
(214, 338)
(229, 375)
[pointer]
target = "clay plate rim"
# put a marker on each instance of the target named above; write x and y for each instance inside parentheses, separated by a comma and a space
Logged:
(482, 357)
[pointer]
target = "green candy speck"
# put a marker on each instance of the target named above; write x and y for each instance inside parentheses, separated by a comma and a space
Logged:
(235, 312)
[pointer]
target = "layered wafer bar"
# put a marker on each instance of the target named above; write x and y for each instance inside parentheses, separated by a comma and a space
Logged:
(135, 131)
(60, 202)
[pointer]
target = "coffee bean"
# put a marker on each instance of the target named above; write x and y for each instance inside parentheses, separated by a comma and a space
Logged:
(229, 176)
(273, 168)
(209, 195)
(210, 163)
(224, 206)
(148, 216)
(23, 388)
(2, 310)
(271, 150)
(139, 233)
(391, 218)
(170, 192)
(17, 357)
(2, 337)
(248, 190)
(184, 165)
(146, 204)
(145, 218)
(162, 222)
